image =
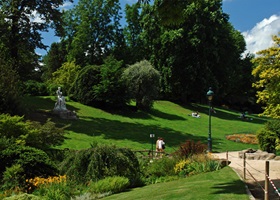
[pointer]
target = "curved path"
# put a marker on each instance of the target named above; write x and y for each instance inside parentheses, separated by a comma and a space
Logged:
(255, 174)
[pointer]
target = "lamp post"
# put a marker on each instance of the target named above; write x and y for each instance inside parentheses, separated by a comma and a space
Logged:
(152, 136)
(210, 95)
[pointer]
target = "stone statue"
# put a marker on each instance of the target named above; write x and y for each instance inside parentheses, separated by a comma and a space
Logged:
(60, 104)
(60, 107)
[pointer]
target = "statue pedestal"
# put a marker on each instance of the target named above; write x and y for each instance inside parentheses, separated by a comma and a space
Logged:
(65, 114)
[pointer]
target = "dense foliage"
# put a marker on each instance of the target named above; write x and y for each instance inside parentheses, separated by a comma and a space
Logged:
(143, 83)
(24, 31)
(100, 162)
(81, 89)
(22, 162)
(30, 133)
(9, 88)
(267, 73)
(269, 136)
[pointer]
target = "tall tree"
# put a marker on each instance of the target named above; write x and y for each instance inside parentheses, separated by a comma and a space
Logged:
(267, 74)
(93, 32)
(24, 21)
(201, 51)
(132, 33)
(54, 59)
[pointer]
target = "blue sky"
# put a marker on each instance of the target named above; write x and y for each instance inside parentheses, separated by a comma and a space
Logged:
(257, 20)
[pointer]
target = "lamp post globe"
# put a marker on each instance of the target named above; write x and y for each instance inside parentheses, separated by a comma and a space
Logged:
(210, 95)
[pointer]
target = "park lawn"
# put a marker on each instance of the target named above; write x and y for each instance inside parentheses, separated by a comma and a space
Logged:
(219, 185)
(132, 129)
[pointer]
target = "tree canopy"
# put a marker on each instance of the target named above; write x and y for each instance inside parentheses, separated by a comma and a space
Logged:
(24, 21)
(267, 74)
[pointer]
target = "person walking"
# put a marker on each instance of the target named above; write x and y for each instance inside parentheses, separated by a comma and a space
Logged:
(161, 146)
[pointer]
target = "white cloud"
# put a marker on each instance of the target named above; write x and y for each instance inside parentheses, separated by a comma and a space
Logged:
(260, 36)
(66, 6)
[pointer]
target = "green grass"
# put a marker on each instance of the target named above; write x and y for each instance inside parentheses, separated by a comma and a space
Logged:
(218, 185)
(131, 129)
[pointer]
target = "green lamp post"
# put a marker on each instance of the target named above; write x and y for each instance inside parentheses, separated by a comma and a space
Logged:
(210, 95)
(152, 136)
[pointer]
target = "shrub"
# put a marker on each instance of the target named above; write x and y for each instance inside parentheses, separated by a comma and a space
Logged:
(44, 136)
(13, 177)
(52, 188)
(100, 162)
(30, 133)
(190, 148)
(268, 137)
(35, 88)
(22, 163)
(113, 184)
(154, 171)
(196, 164)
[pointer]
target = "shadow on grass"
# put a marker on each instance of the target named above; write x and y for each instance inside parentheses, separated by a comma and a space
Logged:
(132, 112)
(222, 113)
(40, 108)
(116, 130)
(256, 188)
(230, 187)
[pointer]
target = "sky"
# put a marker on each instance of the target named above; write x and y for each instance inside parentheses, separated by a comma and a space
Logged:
(257, 20)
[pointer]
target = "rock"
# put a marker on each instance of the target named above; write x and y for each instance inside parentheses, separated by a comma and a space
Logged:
(66, 114)
(277, 158)
(256, 155)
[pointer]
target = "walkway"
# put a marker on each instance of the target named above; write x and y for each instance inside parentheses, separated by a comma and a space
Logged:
(255, 174)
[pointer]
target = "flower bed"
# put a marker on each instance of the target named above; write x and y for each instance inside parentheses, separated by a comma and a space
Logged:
(243, 138)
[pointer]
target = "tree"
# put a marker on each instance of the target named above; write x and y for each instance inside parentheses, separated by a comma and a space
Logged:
(81, 89)
(132, 33)
(23, 29)
(203, 50)
(267, 74)
(93, 30)
(10, 94)
(54, 59)
(111, 89)
(143, 83)
(65, 75)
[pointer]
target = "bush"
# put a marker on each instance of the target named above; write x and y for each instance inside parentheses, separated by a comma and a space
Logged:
(196, 164)
(30, 133)
(158, 170)
(35, 88)
(268, 137)
(23, 163)
(52, 188)
(114, 184)
(190, 148)
(100, 162)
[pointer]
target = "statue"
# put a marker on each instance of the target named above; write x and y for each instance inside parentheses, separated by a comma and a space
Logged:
(60, 104)
(60, 107)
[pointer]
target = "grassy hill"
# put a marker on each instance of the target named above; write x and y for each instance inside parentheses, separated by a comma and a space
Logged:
(219, 185)
(132, 129)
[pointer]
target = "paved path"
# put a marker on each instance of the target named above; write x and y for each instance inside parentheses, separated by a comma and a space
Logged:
(255, 173)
